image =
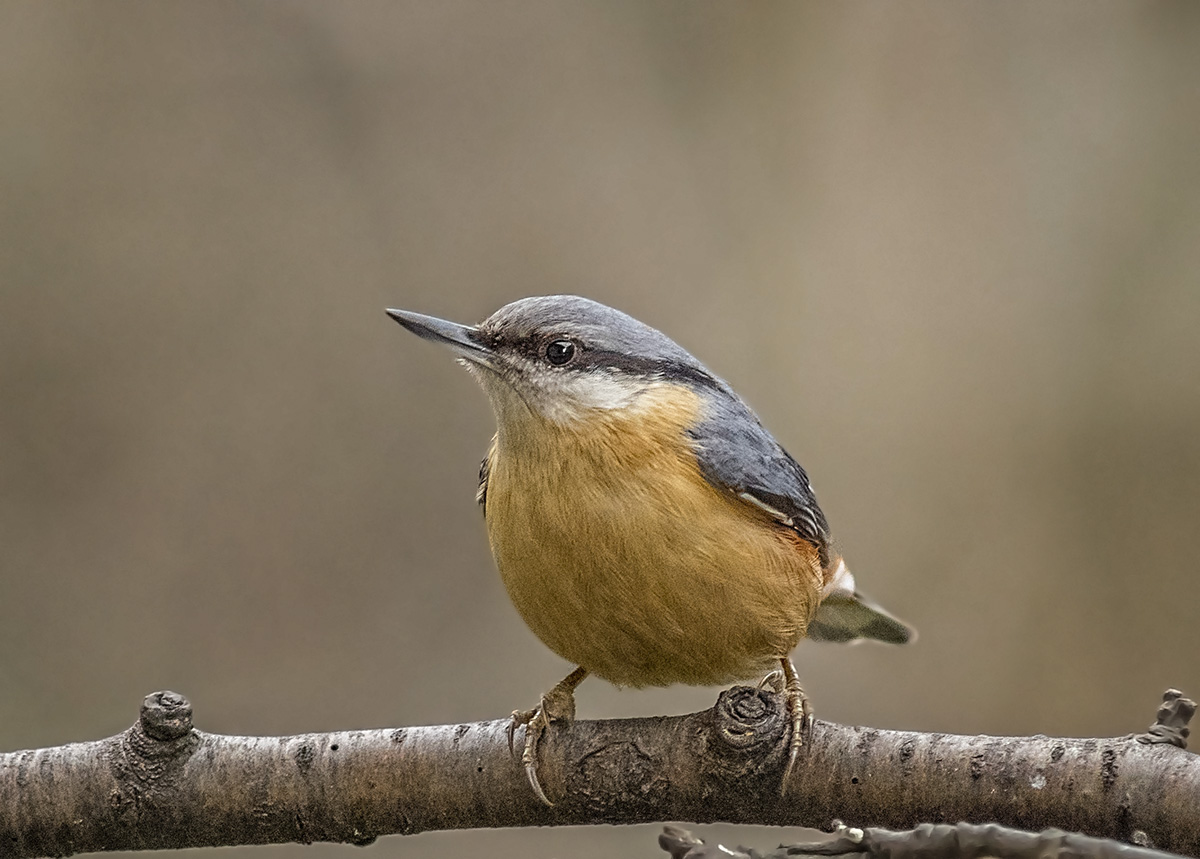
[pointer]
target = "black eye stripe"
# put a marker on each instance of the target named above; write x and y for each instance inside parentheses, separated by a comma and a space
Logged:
(588, 357)
(666, 369)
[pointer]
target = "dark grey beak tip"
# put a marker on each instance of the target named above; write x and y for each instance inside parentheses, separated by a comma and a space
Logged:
(424, 326)
(401, 316)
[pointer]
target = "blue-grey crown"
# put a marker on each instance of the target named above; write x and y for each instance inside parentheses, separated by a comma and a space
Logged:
(611, 339)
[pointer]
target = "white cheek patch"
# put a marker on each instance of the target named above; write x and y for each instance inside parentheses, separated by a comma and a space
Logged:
(566, 397)
(563, 397)
(603, 390)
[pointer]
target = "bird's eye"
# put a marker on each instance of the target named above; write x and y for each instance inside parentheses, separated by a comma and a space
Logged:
(559, 352)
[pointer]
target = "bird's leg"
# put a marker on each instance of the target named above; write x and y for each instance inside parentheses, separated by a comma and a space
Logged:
(556, 705)
(786, 681)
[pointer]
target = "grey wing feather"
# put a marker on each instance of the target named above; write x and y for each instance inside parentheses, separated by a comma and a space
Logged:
(484, 470)
(737, 453)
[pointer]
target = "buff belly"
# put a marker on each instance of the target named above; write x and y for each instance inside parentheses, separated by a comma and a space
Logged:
(623, 559)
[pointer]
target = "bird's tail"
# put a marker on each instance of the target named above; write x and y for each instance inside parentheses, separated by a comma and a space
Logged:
(845, 615)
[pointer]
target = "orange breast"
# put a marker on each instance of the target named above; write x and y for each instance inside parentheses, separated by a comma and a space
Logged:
(622, 558)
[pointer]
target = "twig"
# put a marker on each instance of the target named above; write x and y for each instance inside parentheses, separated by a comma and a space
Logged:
(928, 841)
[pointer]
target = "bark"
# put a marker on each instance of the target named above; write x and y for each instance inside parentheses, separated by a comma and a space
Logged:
(164, 784)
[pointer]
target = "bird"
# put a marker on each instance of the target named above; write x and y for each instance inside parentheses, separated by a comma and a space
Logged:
(646, 526)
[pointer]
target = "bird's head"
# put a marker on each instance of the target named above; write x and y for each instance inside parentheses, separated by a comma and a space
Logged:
(563, 358)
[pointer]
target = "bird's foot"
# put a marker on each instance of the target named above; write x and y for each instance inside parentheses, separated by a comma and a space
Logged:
(786, 682)
(557, 705)
(535, 721)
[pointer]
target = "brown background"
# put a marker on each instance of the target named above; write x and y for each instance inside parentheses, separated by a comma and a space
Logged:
(950, 252)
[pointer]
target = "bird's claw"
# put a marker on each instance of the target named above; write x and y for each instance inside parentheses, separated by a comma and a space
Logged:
(519, 719)
(800, 715)
(535, 723)
(556, 705)
(774, 679)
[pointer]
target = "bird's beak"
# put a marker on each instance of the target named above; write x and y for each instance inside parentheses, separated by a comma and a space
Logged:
(463, 340)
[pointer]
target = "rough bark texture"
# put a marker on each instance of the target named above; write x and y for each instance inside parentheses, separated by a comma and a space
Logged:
(163, 784)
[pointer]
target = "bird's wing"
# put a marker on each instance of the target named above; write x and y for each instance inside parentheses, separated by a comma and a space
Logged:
(485, 468)
(737, 454)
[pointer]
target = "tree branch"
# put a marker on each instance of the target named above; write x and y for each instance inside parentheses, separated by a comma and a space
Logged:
(164, 784)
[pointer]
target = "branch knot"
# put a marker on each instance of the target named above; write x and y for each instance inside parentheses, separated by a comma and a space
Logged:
(166, 716)
(747, 716)
(1172, 720)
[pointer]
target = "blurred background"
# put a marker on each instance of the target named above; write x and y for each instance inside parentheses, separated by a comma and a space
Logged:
(948, 251)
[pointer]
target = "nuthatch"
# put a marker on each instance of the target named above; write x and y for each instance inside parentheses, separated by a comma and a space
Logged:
(646, 526)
